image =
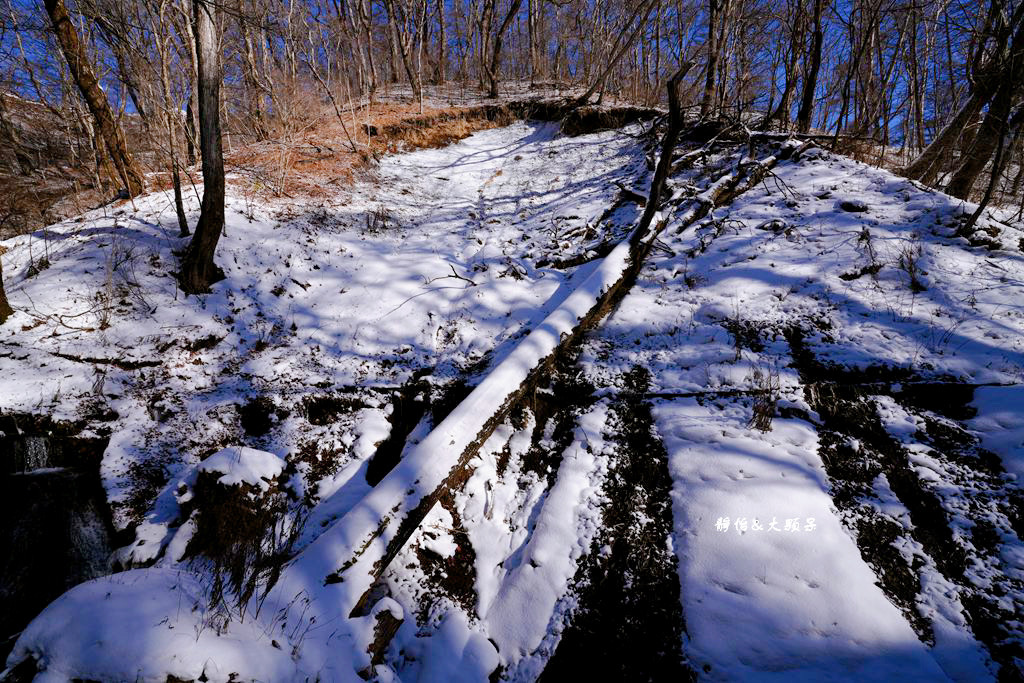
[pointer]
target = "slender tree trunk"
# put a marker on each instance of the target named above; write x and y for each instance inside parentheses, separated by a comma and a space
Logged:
(803, 117)
(712, 66)
(198, 271)
(494, 67)
(782, 112)
(926, 167)
(622, 43)
(5, 308)
(173, 119)
(252, 80)
(442, 45)
(88, 85)
(998, 164)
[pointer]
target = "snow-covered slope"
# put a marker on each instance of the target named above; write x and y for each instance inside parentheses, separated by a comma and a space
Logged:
(773, 460)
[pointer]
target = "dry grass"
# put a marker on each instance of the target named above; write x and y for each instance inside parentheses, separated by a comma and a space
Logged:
(315, 156)
(308, 154)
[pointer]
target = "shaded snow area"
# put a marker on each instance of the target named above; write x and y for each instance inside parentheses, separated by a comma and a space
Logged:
(791, 452)
(874, 530)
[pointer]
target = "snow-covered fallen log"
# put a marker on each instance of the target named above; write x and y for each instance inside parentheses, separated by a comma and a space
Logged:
(347, 559)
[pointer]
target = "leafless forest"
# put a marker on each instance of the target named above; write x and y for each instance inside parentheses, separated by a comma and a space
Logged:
(114, 86)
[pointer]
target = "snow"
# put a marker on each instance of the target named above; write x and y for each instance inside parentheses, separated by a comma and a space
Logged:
(517, 619)
(710, 316)
(1000, 422)
(317, 308)
(143, 625)
(775, 604)
(454, 653)
(319, 303)
(239, 465)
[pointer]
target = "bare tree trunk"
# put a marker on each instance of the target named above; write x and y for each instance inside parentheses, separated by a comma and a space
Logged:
(198, 271)
(619, 48)
(88, 85)
(998, 164)
(403, 32)
(782, 112)
(803, 117)
(926, 166)
(668, 146)
(172, 116)
(988, 138)
(5, 308)
(442, 45)
(712, 65)
(494, 66)
(251, 78)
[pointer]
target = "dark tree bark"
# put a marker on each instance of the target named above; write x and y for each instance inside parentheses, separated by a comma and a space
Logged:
(998, 165)
(198, 271)
(782, 113)
(926, 166)
(803, 117)
(709, 80)
(668, 146)
(442, 46)
(494, 66)
(988, 138)
(88, 85)
(5, 308)
(190, 132)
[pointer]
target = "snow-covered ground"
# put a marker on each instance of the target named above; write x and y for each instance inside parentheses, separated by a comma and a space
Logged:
(773, 423)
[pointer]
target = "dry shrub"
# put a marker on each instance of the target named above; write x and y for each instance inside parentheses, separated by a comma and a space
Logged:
(909, 261)
(310, 154)
(247, 535)
(766, 397)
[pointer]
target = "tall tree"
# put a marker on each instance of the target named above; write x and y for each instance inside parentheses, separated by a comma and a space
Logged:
(84, 77)
(714, 10)
(198, 271)
(811, 69)
(493, 66)
(5, 308)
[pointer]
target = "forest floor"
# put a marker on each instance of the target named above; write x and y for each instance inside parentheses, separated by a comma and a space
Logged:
(793, 451)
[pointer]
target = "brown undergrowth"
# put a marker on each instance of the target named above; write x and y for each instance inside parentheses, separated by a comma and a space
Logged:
(323, 156)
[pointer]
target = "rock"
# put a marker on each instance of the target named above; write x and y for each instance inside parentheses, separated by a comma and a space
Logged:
(853, 206)
(776, 225)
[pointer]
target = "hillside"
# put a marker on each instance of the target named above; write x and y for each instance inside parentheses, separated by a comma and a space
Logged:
(792, 449)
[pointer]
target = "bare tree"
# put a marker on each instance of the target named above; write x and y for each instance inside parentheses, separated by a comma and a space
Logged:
(811, 69)
(198, 271)
(5, 308)
(492, 67)
(88, 85)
